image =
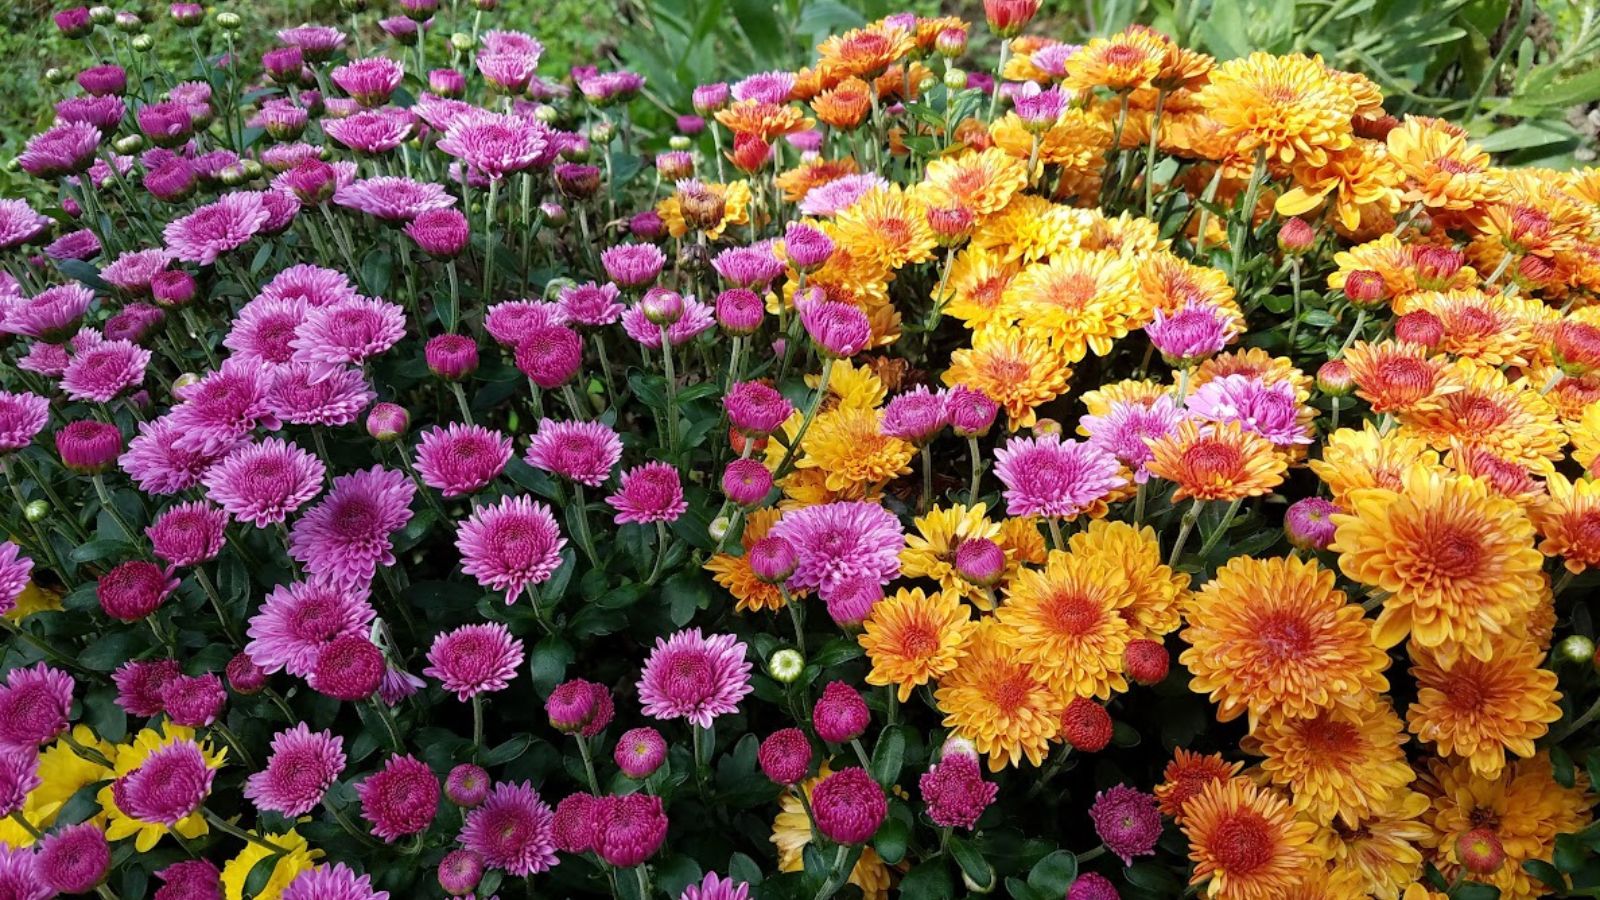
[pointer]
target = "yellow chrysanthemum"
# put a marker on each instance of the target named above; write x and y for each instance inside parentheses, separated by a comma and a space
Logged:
(791, 834)
(1126, 234)
(1570, 521)
(1128, 60)
(913, 638)
(1031, 228)
(130, 756)
(1274, 636)
(1022, 542)
(1586, 437)
(930, 551)
(1405, 267)
(1015, 371)
(1395, 377)
(887, 224)
(1100, 400)
(1077, 142)
(1457, 562)
(852, 386)
(750, 593)
(982, 182)
(1380, 850)
(297, 858)
(1321, 883)
(1476, 405)
(1216, 462)
(1352, 460)
(1492, 329)
(1288, 106)
(1478, 710)
(1067, 620)
(999, 701)
(34, 599)
(1245, 841)
(1158, 592)
(1169, 283)
(1343, 763)
(1358, 180)
(62, 773)
(1443, 170)
(977, 281)
(849, 446)
(735, 210)
(1080, 300)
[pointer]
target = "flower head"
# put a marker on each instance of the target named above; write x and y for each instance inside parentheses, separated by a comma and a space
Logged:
(836, 543)
(299, 620)
(217, 228)
(474, 659)
(335, 882)
(74, 859)
(513, 829)
(303, 765)
(584, 452)
(652, 492)
(640, 752)
(400, 799)
(1222, 462)
(1245, 841)
(628, 829)
(690, 676)
(849, 806)
(953, 789)
(461, 459)
(22, 417)
(1127, 821)
(34, 705)
(168, 787)
(345, 537)
(263, 483)
(510, 545)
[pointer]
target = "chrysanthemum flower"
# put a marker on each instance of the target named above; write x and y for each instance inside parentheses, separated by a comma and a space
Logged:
(303, 765)
(105, 370)
(332, 882)
(584, 452)
(222, 409)
(1478, 709)
(1186, 776)
(697, 319)
(313, 285)
(1157, 592)
(1265, 408)
(836, 543)
(370, 80)
(1352, 460)
(496, 145)
(1127, 821)
(999, 702)
(345, 537)
(1066, 621)
(1017, 372)
(392, 198)
(34, 705)
(461, 459)
(14, 575)
(692, 677)
(849, 449)
(1443, 170)
(262, 330)
(168, 786)
(1380, 854)
(1570, 522)
(188, 534)
(1244, 841)
(371, 132)
(1127, 427)
(1049, 477)
(932, 550)
(888, 225)
(22, 416)
(513, 829)
(474, 659)
(262, 483)
(212, 230)
(738, 578)
(1343, 763)
(628, 829)
(914, 638)
(400, 799)
(1222, 462)
(299, 620)
(982, 182)
(1458, 562)
(1288, 107)
(1272, 635)
(652, 492)
(306, 394)
(792, 832)
(348, 332)
(510, 545)
(52, 314)
(1479, 406)
(19, 223)
(1078, 301)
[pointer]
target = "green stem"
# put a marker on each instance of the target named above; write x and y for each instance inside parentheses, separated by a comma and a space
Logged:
(489, 240)
(977, 468)
(672, 391)
(793, 606)
(805, 423)
(1187, 525)
(1222, 527)
(227, 827)
(1150, 155)
(461, 401)
(477, 725)
(389, 726)
(588, 763)
(661, 552)
(585, 539)
(216, 602)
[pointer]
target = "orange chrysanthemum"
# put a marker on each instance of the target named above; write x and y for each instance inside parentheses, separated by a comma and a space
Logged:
(1288, 107)
(982, 182)
(1031, 228)
(1216, 462)
(767, 121)
(1067, 621)
(1405, 267)
(1128, 60)
(1273, 635)
(1380, 851)
(1168, 283)
(888, 225)
(999, 702)
(1352, 459)
(1078, 301)
(844, 106)
(1015, 371)
(1124, 234)
(1158, 592)
(750, 593)
(1393, 377)
(1570, 522)
(1493, 329)
(976, 283)
(1457, 562)
(1077, 141)
(1187, 775)
(1443, 170)
(1358, 180)
(1343, 763)
(1478, 709)
(864, 52)
(1478, 406)
(1245, 841)
(1509, 479)
(913, 638)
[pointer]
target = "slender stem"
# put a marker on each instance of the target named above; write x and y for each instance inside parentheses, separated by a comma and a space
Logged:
(1088, 855)
(461, 401)
(389, 726)
(861, 754)
(232, 740)
(927, 478)
(1187, 525)
(88, 753)
(1222, 527)
(116, 514)
(1150, 154)
(227, 827)
(977, 468)
(1578, 723)
(347, 825)
(1355, 330)
(1056, 541)
(661, 552)
(22, 820)
(1294, 320)
(672, 391)
(999, 76)
(489, 239)
(1248, 211)
(805, 423)
(588, 763)
(644, 880)
(477, 724)
(216, 602)
(585, 539)
(793, 606)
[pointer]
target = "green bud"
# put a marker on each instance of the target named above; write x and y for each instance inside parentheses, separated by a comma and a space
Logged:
(128, 23)
(129, 144)
(36, 511)
(462, 41)
(680, 142)
(252, 168)
(142, 43)
(183, 381)
(229, 21)
(926, 84)
(1576, 650)
(235, 175)
(955, 79)
(546, 113)
(785, 666)
(56, 76)
(101, 15)
(719, 528)
(602, 133)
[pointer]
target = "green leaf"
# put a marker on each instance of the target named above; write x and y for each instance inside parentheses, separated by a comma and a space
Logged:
(743, 868)
(260, 874)
(111, 650)
(973, 865)
(1019, 890)
(549, 662)
(1473, 890)
(1054, 874)
(1561, 768)
(891, 840)
(836, 651)
(675, 873)
(82, 272)
(685, 593)
(889, 756)
(376, 268)
(100, 548)
(508, 751)
(1546, 873)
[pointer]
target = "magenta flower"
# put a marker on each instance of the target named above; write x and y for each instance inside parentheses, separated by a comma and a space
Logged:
(19, 775)
(756, 409)
(371, 131)
(105, 370)
(34, 705)
(496, 145)
(1268, 409)
(335, 882)
(550, 356)
(629, 829)
(440, 112)
(835, 543)
(849, 806)
(572, 829)
(839, 330)
(692, 677)
(1307, 523)
(313, 285)
(400, 799)
(297, 621)
(134, 589)
(134, 322)
(244, 676)
(369, 80)
(740, 311)
(348, 333)
(1127, 427)
(192, 879)
(474, 659)
(765, 87)
(65, 149)
(166, 124)
(1192, 333)
(1128, 821)
(633, 265)
(440, 233)
(304, 764)
(104, 113)
(140, 684)
(715, 887)
(577, 706)
(696, 319)
(746, 481)
(649, 493)
(1046, 476)
(20, 223)
(131, 272)
(22, 417)
(840, 715)
(461, 459)
(753, 267)
(510, 545)
(785, 756)
(317, 42)
(155, 463)
(590, 304)
(74, 859)
(1092, 886)
(52, 314)
(80, 244)
(15, 572)
(303, 395)
(345, 537)
(87, 446)
(168, 787)
(392, 198)
(640, 752)
(263, 328)
(193, 701)
(222, 408)
(954, 792)
(212, 230)
(263, 483)
(915, 416)
(510, 321)
(512, 830)
(584, 452)
(349, 668)
(397, 684)
(467, 785)
(452, 357)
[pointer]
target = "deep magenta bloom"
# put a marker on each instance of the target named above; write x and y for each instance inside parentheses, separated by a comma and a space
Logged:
(915, 416)
(839, 330)
(140, 683)
(19, 775)
(440, 233)
(849, 806)
(647, 226)
(134, 589)
(629, 829)
(1124, 429)
(104, 113)
(192, 879)
(1092, 886)
(980, 561)
(263, 483)
(971, 411)
(574, 705)
(550, 356)
(168, 787)
(134, 322)
(172, 181)
(349, 668)
(284, 65)
(447, 82)
(1192, 333)
(345, 537)
(52, 314)
(689, 676)
(954, 792)
(512, 830)
(640, 752)
(74, 22)
(131, 272)
(751, 267)
(304, 764)
(591, 304)
(335, 882)
(105, 370)
(348, 333)
(194, 701)
(648, 493)
(584, 452)
(633, 265)
(474, 659)
(1268, 409)
(297, 621)
(467, 785)
(451, 356)
(496, 145)
(572, 830)
(371, 80)
(172, 288)
(15, 570)
(66, 149)
(400, 799)
(81, 244)
(244, 676)
(88, 446)
(317, 42)
(1127, 820)
(840, 715)
(806, 246)
(460, 871)
(166, 124)
(74, 859)
(765, 87)
(20, 223)
(739, 312)
(785, 756)
(772, 559)
(22, 416)
(1308, 524)
(835, 543)
(212, 230)
(1046, 476)
(393, 199)
(157, 465)
(510, 545)
(715, 887)
(303, 395)
(371, 131)
(708, 98)
(746, 481)
(756, 409)
(461, 459)
(510, 321)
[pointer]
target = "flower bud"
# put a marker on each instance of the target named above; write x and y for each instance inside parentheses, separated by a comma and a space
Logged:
(36, 511)
(719, 528)
(1334, 378)
(127, 23)
(187, 15)
(142, 42)
(1308, 524)
(785, 666)
(388, 422)
(1480, 851)
(128, 144)
(101, 15)
(661, 306)
(462, 41)
(951, 43)
(1295, 236)
(229, 21)
(679, 142)
(602, 133)
(1044, 427)
(1419, 327)
(1575, 649)
(955, 79)
(1365, 289)
(54, 75)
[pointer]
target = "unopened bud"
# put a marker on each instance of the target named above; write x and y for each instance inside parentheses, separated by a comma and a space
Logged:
(719, 528)
(36, 511)
(785, 666)
(679, 142)
(229, 21)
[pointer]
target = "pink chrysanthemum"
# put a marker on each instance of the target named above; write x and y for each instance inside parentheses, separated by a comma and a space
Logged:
(752, 267)
(222, 408)
(131, 272)
(22, 417)
(550, 356)
(392, 198)
(348, 333)
(371, 131)
(577, 706)
(64, 149)
(1127, 820)
(633, 265)
(440, 233)
(440, 112)
(756, 409)
(212, 230)
(590, 304)
(461, 459)
(335, 882)
(460, 870)
(397, 684)
(640, 752)
(509, 322)
(494, 144)
(629, 829)
(715, 887)
(15, 571)
(1046, 476)
(840, 715)
(400, 799)
(954, 791)
(140, 683)
(168, 787)
(263, 483)
(697, 319)
(188, 534)
(452, 357)
(572, 829)
(19, 775)
(134, 589)
(1092, 886)
(305, 394)
(369, 80)
(304, 764)
(1194, 332)
(834, 196)
(915, 416)
(156, 464)
(191, 879)
(474, 659)
(849, 806)
(836, 543)
(1124, 429)
(105, 370)
(1308, 523)
(262, 330)
(316, 42)
(652, 492)
(584, 452)
(20, 223)
(82, 244)
(34, 705)
(52, 314)
(510, 545)
(74, 859)
(19, 874)
(512, 830)
(134, 322)
(689, 676)
(785, 756)
(194, 701)
(104, 113)
(88, 445)
(297, 621)
(1268, 409)
(345, 537)
(467, 785)
(314, 285)
(838, 330)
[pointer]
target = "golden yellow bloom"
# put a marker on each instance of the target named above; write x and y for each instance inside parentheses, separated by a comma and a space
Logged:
(791, 833)
(1288, 107)
(978, 279)
(1067, 621)
(34, 599)
(1359, 180)
(1245, 841)
(930, 551)
(1352, 460)
(1022, 542)
(1128, 60)
(913, 638)
(1380, 851)
(1187, 775)
(1524, 807)
(1394, 377)
(1443, 170)
(62, 773)
(1570, 522)
(851, 386)
(1015, 371)
(1273, 635)
(297, 858)
(1457, 562)
(750, 593)
(768, 121)
(1586, 437)
(736, 210)
(1158, 592)
(1493, 329)
(1031, 228)
(1099, 401)
(1126, 235)
(1406, 267)
(1077, 142)
(1477, 405)
(130, 756)
(1343, 763)
(888, 225)
(1477, 709)
(1320, 883)
(999, 702)
(982, 182)
(1216, 462)
(848, 445)
(863, 52)
(1080, 300)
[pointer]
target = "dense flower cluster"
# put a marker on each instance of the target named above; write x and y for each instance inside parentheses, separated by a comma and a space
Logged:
(405, 497)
